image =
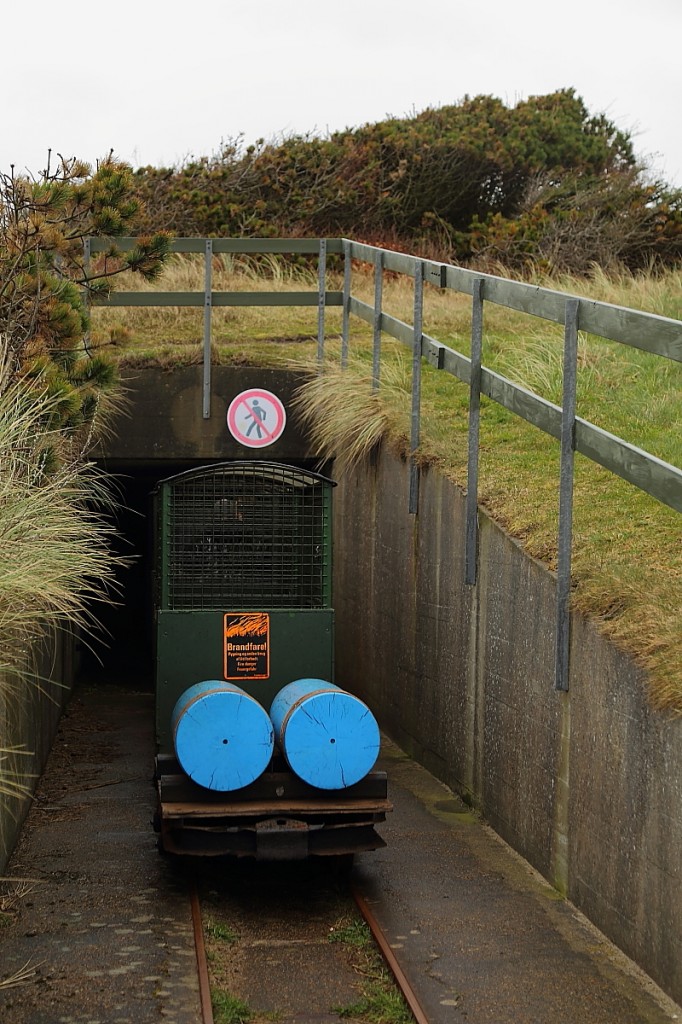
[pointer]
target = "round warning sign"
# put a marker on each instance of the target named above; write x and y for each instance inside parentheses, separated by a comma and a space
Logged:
(256, 418)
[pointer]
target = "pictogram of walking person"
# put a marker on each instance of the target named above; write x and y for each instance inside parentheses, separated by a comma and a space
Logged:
(257, 416)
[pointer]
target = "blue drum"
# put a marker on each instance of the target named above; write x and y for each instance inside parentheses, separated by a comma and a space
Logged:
(329, 738)
(223, 738)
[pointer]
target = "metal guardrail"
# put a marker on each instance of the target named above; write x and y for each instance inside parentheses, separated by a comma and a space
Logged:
(208, 299)
(647, 331)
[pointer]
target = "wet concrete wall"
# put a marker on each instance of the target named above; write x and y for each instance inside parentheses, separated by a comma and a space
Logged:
(163, 418)
(30, 706)
(587, 786)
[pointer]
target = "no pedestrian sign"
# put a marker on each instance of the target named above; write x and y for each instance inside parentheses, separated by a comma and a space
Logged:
(256, 418)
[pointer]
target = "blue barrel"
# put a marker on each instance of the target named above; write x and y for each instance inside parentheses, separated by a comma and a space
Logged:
(329, 737)
(223, 738)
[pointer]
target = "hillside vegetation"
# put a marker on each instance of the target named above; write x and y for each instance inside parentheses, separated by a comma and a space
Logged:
(542, 184)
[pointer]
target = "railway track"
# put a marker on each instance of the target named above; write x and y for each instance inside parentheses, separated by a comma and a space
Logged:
(286, 934)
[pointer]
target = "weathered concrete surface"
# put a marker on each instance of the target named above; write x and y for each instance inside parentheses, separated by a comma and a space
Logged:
(625, 810)
(480, 936)
(164, 416)
(519, 730)
(30, 706)
(586, 785)
(106, 927)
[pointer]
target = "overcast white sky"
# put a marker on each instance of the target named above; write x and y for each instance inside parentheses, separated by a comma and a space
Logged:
(158, 80)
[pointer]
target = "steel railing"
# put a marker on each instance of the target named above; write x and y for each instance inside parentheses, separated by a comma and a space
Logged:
(656, 334)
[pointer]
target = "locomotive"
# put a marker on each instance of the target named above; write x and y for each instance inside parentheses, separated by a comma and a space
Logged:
(260, 754)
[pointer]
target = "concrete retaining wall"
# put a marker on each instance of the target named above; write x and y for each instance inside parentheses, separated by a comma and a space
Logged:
(29, 713)
(163, 417)
(587, 786)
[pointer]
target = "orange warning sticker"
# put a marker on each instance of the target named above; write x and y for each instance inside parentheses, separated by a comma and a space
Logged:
(247, 646)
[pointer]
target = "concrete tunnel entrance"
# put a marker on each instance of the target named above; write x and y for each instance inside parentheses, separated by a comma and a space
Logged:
(123, 650)
(162, 432)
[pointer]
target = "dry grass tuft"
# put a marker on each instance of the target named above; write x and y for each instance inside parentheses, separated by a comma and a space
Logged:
(55, 548)
(12, 891)
(346, 418)
(54, 543)
(13, 782)
(20, 977)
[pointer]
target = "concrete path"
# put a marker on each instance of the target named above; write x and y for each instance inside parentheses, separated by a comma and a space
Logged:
(480, 936)
(106, 929)
(106, 935)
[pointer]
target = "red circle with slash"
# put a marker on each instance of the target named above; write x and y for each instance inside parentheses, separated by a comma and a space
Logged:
(256, 418)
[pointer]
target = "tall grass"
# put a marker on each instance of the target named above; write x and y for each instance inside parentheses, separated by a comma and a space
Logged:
(55, 556)
(54, 543)
(347, 419)
(147, 335)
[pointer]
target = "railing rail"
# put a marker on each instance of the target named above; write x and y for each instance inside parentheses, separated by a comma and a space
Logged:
(649, 332)
(209, 299)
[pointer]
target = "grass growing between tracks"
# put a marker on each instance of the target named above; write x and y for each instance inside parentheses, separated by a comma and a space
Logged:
(380, 1002)
(289, 943)
(221, 932)
(228, 1009)
(627, 547)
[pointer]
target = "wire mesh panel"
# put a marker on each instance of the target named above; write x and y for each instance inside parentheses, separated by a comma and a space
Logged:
(247, 535)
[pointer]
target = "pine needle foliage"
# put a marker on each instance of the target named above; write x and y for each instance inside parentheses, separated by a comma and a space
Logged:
(540, 183)
(45, 283)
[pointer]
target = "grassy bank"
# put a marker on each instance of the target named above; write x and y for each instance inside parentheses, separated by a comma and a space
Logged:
(627, 550)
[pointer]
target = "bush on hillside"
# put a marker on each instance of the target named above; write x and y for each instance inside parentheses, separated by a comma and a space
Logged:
(463, 182)
(614, 221)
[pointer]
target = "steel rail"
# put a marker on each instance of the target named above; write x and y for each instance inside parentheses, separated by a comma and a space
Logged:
(200, 948)
(390, 958)
(378, 935)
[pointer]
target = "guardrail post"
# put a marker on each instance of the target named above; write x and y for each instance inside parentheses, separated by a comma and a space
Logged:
(321, 298)
(345, 328)
(378, 299)
(208, 305)
(474, 430)
(86, 293)
(416, 382)
(568, 404)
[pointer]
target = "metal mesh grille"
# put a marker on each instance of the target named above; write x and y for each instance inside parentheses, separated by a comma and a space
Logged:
(256, 537)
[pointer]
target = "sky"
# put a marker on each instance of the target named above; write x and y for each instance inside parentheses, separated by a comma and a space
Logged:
(159, 82)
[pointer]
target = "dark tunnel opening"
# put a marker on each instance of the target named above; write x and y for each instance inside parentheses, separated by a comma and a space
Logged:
(122, 649)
